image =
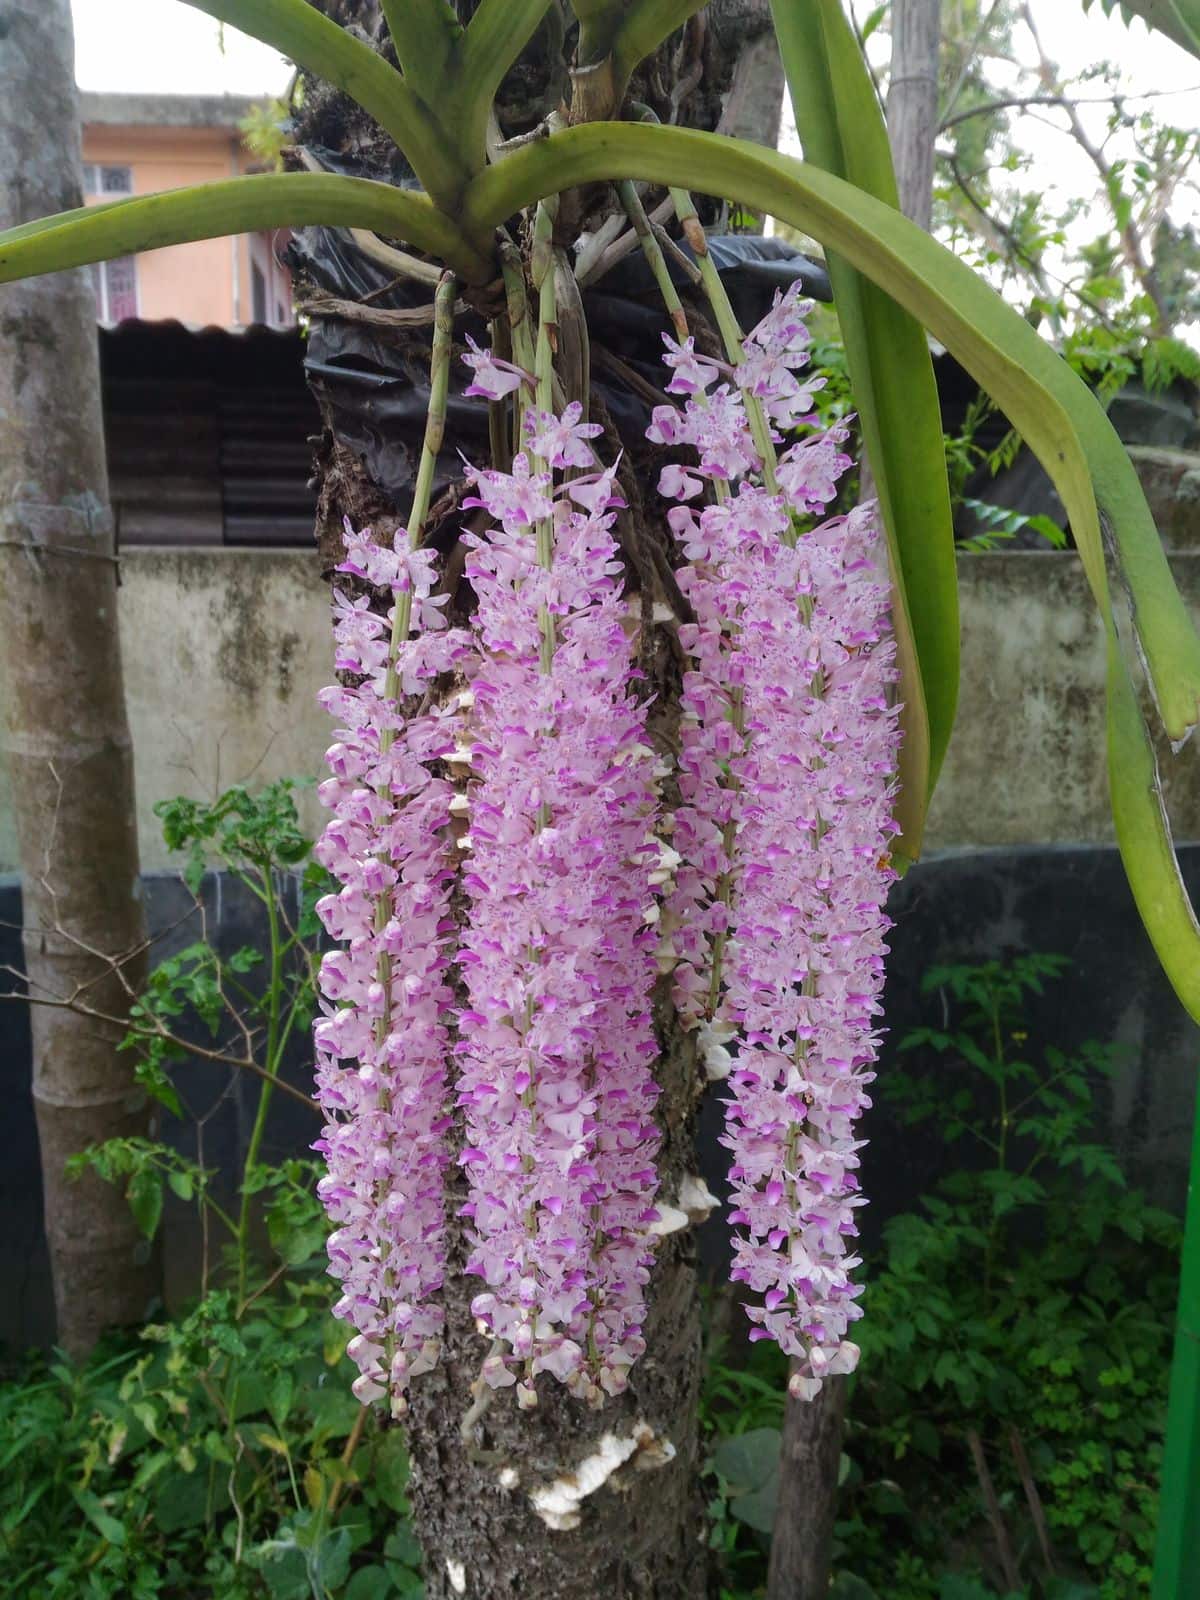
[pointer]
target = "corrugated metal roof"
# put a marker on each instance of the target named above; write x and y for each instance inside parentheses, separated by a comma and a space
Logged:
(102, 109)
(207, 434)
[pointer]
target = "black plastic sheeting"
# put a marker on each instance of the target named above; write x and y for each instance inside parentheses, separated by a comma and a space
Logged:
(376, 392)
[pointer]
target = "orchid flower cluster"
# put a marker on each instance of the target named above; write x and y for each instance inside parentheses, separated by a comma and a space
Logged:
(382, 1039)
(516, 1037)
(789, 750)
(554, 1047)
(557, 1047)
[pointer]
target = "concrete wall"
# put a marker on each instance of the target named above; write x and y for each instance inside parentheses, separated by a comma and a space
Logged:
(225, 651)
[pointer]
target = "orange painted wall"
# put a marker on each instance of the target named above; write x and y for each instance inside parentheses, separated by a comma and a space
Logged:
(210, 281)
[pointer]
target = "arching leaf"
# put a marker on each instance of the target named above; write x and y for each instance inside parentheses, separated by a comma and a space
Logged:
(233, 205)
(321, 47)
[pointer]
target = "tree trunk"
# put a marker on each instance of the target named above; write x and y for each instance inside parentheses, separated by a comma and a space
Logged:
(801, 1549)
(754, 107)
(67, 739)
(912, 103)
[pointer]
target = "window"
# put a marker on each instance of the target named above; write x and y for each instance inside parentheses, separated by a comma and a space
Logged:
(258, 293)
(115, 283)
(99, 179)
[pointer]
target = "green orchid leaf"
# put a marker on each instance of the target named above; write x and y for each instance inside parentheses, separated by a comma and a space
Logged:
(495, 37)
(321, 47)
(1054, 411)
(425, 34)
(643, 28)
(1178, 19)
(234, 205)
(452, 72)
(621, 33)
(891, 376)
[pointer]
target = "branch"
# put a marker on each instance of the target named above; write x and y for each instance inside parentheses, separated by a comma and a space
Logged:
(969, 56)
(1054, 100)
(74, 1005)
(1131, 241)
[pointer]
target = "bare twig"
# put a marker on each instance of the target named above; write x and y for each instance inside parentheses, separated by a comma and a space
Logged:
(352, 1444)
(1018, 101)
(1012, 1576)
(971, 51)
(330, 305)
(1132, 243)
(1033, 1498)
(625, 245)
(244, 1063)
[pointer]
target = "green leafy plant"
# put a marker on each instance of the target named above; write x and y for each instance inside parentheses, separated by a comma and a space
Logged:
(222, 1452)
(1029, 1302)
(241, 1011)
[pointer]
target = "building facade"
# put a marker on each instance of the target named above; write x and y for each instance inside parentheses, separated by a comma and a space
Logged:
(136, 144)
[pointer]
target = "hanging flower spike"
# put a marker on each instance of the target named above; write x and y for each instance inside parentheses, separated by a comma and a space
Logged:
(804, 964)
(557, 1044)
(788, 755)
(381, 1039)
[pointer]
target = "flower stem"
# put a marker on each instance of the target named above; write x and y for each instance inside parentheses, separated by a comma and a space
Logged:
(435, 430)
(655, 259)
(519, 330)
(542, 265)
(731, 334)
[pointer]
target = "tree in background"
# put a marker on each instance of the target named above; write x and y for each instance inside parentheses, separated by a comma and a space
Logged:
(1120, 262)
(66, 737)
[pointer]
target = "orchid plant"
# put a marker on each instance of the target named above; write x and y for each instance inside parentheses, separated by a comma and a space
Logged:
(517, 863)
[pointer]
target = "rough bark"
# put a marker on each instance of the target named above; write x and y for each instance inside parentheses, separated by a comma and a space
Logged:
(803, 1539)
(67, 739)
(754, 107)
(640, 1534)
(912, 103)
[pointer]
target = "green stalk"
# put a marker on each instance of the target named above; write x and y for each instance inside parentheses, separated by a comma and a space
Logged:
(435, 430)
(731, 335)
(655, 259)
(542, 265)
(520, 336)
(1177, 1553)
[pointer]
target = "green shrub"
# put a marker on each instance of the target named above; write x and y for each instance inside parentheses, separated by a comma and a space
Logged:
(1029, 1302)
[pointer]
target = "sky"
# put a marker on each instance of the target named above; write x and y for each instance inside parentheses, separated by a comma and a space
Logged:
(165, 46)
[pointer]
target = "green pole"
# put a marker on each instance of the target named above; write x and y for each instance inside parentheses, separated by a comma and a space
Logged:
(1177, 1557)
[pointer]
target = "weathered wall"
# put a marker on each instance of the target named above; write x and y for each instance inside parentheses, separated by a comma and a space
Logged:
(225, 651)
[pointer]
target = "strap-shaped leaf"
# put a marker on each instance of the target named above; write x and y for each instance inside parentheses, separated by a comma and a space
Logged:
(891, 375)
(312, 41)
(425, 34)
(1054, 411)
(1178, 19)
(495, 37)
(233, 205)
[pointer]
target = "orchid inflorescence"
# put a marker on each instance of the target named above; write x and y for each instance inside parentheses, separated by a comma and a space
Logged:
(517, 1038)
